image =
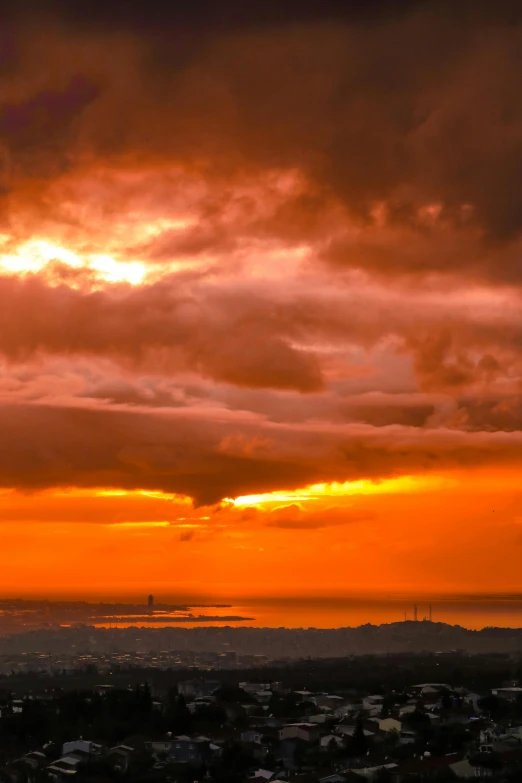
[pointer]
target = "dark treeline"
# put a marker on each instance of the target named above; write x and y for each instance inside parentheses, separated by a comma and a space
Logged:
(288, 643)
(110, 718)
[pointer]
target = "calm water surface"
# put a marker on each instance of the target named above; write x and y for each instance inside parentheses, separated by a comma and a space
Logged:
(335, 612)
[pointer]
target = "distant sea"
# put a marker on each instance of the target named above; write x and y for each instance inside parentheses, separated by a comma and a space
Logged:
(470, 611)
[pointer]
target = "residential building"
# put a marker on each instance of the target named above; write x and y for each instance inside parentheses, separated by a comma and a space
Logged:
(308, 732)
(390, 724)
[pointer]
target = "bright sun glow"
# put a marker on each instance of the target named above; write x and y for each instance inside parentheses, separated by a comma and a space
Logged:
(401, 485)
(315, 492)
(34, 255)
(117, 271)
(132, 525)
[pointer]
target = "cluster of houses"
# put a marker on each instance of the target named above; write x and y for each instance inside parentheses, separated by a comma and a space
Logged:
(346, 737)
(75, 757)
(391, 728)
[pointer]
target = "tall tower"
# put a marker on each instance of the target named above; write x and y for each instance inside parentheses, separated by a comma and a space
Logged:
(150, 602)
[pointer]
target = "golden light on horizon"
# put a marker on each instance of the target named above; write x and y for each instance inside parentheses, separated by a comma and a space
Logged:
(136, 525)
(400, 485)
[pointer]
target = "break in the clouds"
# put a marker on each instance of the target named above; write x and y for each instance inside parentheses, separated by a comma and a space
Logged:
(257, 250)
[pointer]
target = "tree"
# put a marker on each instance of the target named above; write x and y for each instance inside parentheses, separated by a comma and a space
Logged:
(332, 747)
(234, 764)
(392, 739)
(418, 721)
(359, 739)
(446, 701)
(299, 754)
(178, 715)
(489, 761)
(383, 775)
(387, 706)
(233, 693)
(445, 775)
(210, 715)
(143, 701)
(494, 706)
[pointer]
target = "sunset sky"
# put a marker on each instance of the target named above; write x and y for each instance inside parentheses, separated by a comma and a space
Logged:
(260, 298)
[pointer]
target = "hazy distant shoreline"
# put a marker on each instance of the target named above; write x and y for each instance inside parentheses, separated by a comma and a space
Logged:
(159, 620)
(355, 611)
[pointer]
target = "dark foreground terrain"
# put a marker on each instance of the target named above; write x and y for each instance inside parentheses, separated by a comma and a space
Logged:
(397, 717)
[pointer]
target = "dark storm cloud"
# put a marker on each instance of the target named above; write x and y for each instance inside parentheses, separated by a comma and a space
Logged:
(209, 459)
(207, 15)
(408, 107)
(164, 326)
(39, 131)
(488, 414)
(384, 413)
